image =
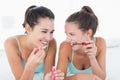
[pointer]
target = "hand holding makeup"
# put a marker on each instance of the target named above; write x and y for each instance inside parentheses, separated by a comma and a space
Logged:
(90, 49)
(36, 57)
(56, 74)
(37, 49)
(83, 43)
(53, 73)
(40, 49)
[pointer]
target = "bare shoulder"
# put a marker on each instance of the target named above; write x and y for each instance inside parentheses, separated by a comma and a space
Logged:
(9, 41)
(10, 45)
(52, 43)
(100, 41)
(65, 45)
(65, 49)
(101, 45)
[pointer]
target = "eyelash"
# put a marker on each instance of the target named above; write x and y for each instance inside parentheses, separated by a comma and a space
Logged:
(71, 34)
(46, 32)
(52, 32)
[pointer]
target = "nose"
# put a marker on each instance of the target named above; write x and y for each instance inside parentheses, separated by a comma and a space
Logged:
(49, 37)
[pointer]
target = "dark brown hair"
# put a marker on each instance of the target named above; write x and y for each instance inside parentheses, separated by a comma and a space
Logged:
(33, 13)
(85, 18)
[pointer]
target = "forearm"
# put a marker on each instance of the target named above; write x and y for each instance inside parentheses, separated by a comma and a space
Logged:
(28, 73)
(97, 69)
(80, 76)
(48, 67)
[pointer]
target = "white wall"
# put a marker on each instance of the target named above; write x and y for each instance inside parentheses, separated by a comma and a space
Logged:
(12, 15)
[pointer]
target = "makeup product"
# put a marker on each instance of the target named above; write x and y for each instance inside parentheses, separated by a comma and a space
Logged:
(36, 50)
(83, 43)
(53, 73)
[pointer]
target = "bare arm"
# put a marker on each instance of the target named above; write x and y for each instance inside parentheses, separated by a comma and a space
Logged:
(14, 59)
(63, 57)
(50, 58)
(98, 63)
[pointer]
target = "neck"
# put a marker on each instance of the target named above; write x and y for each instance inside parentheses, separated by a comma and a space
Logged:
(28, 45)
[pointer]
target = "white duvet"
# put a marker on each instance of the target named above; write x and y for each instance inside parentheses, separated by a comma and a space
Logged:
(112, 65)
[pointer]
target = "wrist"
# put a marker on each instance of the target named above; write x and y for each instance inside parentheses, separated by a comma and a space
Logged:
(92, 57)
(29, 67)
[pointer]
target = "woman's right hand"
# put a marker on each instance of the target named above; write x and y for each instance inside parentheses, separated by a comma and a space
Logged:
(58, 74)
(36, 57)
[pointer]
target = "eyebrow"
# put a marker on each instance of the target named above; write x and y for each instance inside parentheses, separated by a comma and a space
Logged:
(47, 29)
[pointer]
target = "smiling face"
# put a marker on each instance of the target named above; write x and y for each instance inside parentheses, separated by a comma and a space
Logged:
(42, 33)
(75, 35)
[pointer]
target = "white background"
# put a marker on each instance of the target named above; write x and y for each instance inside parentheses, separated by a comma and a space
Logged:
(12, 16)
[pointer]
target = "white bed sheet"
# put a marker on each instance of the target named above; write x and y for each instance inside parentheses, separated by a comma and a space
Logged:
(112, 65)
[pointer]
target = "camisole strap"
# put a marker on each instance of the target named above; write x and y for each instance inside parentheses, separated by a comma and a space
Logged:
(95, 40)
(72, 56)
(19, 48)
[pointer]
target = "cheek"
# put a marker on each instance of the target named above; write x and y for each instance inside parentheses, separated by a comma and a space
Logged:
(81, 37)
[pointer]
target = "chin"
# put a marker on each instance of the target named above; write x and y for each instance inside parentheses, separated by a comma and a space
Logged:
(74, 48)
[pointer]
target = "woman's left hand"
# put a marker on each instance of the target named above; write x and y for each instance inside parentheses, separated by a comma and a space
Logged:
(91, 49)
(59, 75)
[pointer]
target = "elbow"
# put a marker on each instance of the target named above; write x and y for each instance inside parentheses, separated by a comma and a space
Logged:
(103, 77)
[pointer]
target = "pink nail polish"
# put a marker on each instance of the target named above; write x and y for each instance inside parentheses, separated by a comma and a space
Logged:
(85, 43)
(36, 50)
(53, 73)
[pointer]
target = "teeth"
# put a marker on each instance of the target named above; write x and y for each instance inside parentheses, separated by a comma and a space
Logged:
(44, 46)
(45, 42)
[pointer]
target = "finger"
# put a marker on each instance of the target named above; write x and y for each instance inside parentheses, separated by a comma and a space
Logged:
(40, 51)
(37, 50)
(41, 58)
(91, 52)
(48, 76)
(59, 73)
(59, 78)
(89, 46)
(34, 51)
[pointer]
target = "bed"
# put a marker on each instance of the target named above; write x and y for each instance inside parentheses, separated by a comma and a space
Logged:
(112, 62)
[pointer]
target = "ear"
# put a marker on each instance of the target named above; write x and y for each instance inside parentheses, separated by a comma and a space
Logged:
(28, 28)
(89, 32)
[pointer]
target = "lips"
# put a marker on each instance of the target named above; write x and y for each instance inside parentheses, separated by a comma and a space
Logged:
(44, 44)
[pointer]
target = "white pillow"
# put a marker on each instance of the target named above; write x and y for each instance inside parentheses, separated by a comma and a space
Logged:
(113, 42)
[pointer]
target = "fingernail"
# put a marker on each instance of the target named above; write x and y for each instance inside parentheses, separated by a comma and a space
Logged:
(85, 43)
(36, 50)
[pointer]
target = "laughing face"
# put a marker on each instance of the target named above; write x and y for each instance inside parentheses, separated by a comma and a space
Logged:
(42, 33)
(74, 35)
